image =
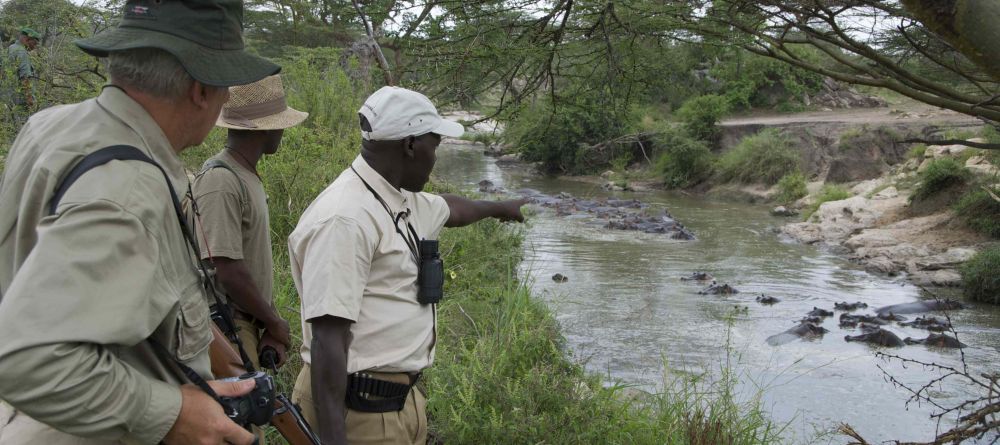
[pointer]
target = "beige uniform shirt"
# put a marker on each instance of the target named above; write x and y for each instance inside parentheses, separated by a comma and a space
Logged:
(234, 220)
(83, 291)
(348, 261)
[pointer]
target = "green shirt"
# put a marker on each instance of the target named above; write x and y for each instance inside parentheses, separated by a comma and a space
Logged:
(83, 292)
(20, 61)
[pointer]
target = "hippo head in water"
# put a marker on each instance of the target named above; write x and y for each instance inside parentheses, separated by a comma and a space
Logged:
(698, 276)
(933, 324)
(921, 306)
(817, 312)
(766, 299)
(719, 289)
(936, 340)
(879, 337)
(804, 331)
(845, 306)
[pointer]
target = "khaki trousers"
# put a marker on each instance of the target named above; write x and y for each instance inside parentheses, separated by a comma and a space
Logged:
(17, 428)
(406, 427)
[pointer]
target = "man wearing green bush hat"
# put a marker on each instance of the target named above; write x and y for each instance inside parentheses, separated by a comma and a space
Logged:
(103, 315)
(20, 65)
(364, 260)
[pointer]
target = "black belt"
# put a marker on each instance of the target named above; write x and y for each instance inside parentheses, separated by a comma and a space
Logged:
(370, 395)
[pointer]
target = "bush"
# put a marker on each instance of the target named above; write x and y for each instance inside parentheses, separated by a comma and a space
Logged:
(791, 187)
(980, 212)
(982, 282)
(553, 135)
(762, 158)
(939, 175)
(827, 194)
(700, 115)
(683, 160)
(916, 152)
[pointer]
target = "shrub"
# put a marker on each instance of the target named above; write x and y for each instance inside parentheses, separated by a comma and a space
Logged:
(700, 115)
(827, 194)
(683, 160)
(762, 158)
(982, 282)
(553, 135)
(916, 152)
(939, 175)
(980, 212)
(792, 187)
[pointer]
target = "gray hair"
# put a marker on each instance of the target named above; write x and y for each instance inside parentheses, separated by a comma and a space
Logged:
(150, 70)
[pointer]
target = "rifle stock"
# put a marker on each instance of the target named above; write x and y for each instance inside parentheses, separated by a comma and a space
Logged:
(287, 418)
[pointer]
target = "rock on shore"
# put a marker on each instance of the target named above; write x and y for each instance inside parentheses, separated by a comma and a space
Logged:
(876, 233)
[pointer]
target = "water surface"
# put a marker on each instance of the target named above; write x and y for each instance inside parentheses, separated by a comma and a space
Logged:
(626, 314)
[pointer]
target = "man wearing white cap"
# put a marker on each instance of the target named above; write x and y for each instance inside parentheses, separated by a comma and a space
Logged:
(368, 321)
(232, 216)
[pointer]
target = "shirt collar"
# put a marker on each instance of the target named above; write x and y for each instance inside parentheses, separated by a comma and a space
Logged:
(116, 102)
(393, 197)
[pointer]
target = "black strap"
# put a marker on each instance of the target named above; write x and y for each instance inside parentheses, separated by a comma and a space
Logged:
(410, 243)
(219, 163)
(130, 153)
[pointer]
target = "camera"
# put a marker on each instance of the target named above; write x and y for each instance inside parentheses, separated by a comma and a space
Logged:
(254, 408)
(430, 278)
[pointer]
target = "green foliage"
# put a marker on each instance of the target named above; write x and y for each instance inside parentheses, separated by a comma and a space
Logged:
(557, 136)
(827, 194)
(751, 80)
(980, 277)
(791, 187)
(980, 211)
(761, 158)
(850, 137)
(916, 152)
(683, 160)
(940, 174)
(701, 113)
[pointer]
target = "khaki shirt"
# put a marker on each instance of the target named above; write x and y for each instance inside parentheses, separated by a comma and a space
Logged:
(234, 220)
(83, 291)
(20, 61)
(348, 261)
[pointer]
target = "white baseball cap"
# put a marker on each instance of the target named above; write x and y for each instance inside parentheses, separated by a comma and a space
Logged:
(396, 113)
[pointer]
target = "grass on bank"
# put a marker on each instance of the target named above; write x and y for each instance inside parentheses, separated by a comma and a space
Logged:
(761, 158)
(830, 192)
(980, 211)
(980, 277)
(791, 187)
(939, 175)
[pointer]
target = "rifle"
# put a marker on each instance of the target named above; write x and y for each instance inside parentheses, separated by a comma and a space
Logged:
(287, 417)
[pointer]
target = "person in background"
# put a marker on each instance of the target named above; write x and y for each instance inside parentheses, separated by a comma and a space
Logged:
(21, 67)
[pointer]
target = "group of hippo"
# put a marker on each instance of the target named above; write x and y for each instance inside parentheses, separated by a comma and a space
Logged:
(618, 214)
(871, 326)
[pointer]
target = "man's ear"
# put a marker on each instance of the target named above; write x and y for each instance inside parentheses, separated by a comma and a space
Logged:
(408, 148)
(198, 93)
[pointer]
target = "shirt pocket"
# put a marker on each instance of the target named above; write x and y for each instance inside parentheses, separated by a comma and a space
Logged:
(193, 331)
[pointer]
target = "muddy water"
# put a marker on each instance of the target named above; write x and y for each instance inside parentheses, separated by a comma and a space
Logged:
(627, 315)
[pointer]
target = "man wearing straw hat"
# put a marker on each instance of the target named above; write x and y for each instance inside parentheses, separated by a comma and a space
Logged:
(104, 322)
(233, 216)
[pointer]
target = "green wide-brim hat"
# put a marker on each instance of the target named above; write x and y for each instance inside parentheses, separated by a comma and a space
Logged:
(204, 35)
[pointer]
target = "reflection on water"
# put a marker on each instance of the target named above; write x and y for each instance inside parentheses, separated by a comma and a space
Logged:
(626, 313)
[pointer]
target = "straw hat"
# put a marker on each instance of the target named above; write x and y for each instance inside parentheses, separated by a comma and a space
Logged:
(259, 106)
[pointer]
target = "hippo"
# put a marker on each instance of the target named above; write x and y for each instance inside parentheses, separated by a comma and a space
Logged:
(879, 337)
(932, 324)
(766, 299)
(805, 331)
(889, 316)
(921, 306)
(560, 278)
(813, 320)
(719, 289)
(817, 312)
(937, 340)
(698, 276)
(850, 321)
(845, 306)
(487, 186)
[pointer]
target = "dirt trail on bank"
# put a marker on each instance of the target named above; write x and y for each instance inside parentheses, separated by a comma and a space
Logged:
(910, 114)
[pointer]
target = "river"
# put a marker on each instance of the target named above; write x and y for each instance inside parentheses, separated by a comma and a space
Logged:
(626, 314)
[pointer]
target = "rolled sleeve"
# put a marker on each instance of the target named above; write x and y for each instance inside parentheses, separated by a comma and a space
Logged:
(431, 213)
(92, 284)
(336, 260)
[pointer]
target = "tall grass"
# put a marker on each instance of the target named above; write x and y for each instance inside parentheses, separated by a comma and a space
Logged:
(761, 158)
(980, 211)
(982, 282)
(940, 174)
